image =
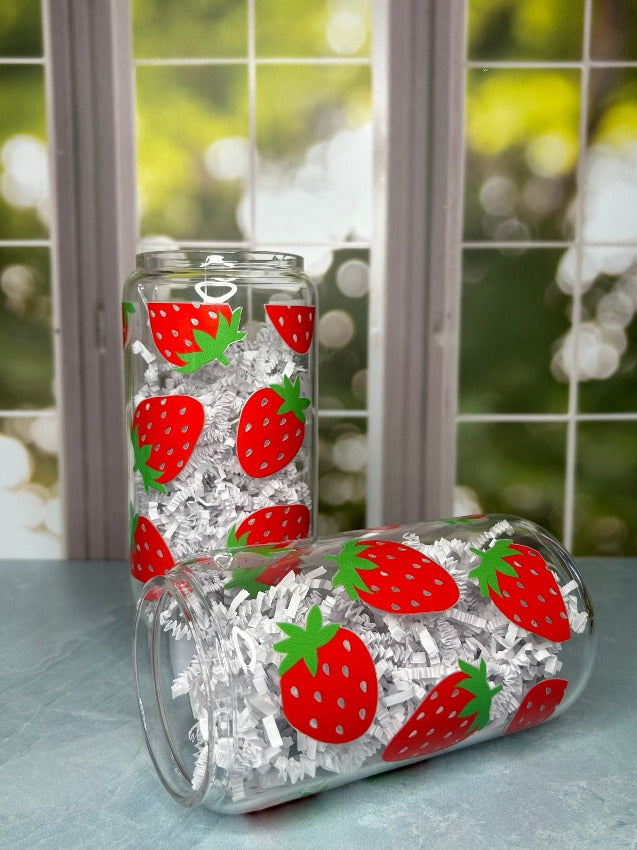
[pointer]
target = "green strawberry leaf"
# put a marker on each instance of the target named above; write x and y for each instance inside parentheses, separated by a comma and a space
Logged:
(128, 307)
(350, 561)
(476, 683)
(491, 563)
(133, 519)
(213, 347)
(303, 644)
(293, 401)
(142, 456)
(247, 578)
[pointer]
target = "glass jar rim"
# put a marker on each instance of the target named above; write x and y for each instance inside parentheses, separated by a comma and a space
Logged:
(217, 260)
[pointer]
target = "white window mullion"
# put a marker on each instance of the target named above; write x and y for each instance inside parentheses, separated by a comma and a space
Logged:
(90, 120)
(414, 308)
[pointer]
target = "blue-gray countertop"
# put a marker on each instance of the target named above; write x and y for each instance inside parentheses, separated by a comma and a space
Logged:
(75, 773)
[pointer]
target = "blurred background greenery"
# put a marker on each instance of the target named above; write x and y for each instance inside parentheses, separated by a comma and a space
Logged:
(548, 363)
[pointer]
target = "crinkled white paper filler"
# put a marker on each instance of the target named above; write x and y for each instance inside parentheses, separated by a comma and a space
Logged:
(213, 493)
(411, 654)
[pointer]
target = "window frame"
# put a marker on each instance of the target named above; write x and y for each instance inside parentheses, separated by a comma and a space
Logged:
(417, 80)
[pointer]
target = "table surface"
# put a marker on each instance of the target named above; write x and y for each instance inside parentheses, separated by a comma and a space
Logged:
(75, 772)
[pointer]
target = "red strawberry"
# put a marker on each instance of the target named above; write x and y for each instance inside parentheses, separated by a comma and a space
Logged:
(521, 585)
(271, 428)
(538, 705)
(190, 334)
(165, 430)
(149, 555)
(294, 323)
(274, 526)
(393, 577)
(328, 680)
(457, 707)
(127, 309)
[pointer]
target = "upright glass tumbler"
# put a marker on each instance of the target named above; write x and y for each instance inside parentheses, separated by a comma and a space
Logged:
(264, 677)
(221, 389)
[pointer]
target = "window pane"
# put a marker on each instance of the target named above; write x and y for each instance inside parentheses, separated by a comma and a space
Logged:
(525, 29)
(342, 474)
(514, 468)
(522, 148)
(29, 499)
(603, 352)
(192, 132)
(26, 368)
(321, 28)
(614, 30)
(610, 199)
(512, 316)
(189, 28)
(314, 142)
(24, 177)
(606, 496)
(21, 29)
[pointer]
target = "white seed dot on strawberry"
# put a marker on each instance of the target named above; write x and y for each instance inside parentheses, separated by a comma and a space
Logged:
(412, 734)
(339, 730)
(297, 432)
(152, 313)
(265, 422)
(452, 714)
(266, 443)
(506, 594)
(162, 313)
(167, 430)
(426, 592)
(159, 553)
(563, 615)
(263, 465)
(454, 693)
(529, 705)
(158, 335)
(464, 723)
(440, 709)
(449, 734)
(280, 321)
(547, 691)
(409, 577)
(163, 402)
(420, 715)
(552, 591)
(280, 456)
(318, 696)
(395, 590)
(362, 714)
(146, 546)
(188, 343)
(345, 671)
(162, 466)
(340, 702)
(414, 604)
(295, 337)
(174, 332)
(284, 437)
(163, 414)
(534, 623)
(170, 451)
(194, 322)
(363, 686)
(541, 598)
(186, 446)
(248, 452)
(314, 723)
(347, 645)
(326, 669)
(517, 618)
(264, 401)
(431, 731)
(182, 411)
(395, 606)
(524, 603)
(176, 307)
(294, 691)
(180, 463)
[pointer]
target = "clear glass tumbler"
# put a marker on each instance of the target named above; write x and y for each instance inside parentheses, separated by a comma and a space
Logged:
(265, 677)
(221, 390)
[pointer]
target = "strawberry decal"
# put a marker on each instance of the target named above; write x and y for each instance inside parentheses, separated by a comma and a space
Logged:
(271, 527)
(271, 428)
(328, 680)
(127, 310)
(190, 334)
(149, 555)
(164, 432)
(520, 584)
(260, 579)
(457, 707)
(294, 324)
(393, 577)
(538, 704)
